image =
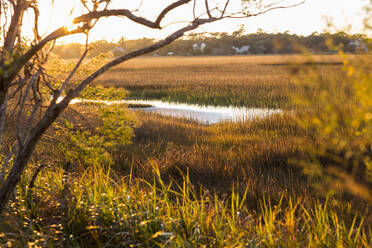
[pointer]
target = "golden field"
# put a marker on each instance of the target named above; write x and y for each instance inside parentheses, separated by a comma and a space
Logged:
(254, 81)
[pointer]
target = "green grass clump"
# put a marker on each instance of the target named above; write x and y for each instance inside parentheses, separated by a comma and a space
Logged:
(96, 209)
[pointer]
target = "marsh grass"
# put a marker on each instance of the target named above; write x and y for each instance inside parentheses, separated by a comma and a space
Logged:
(252, 81)
(217, 155)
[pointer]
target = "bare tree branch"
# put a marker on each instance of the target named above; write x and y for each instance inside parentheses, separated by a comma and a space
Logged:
(225, 8)
(66, 82)
(129, 14)
(36, 21)
(13, 69)
(22, 105)
(15, 23)
(239, 15)
(207, 9)
(169, 8)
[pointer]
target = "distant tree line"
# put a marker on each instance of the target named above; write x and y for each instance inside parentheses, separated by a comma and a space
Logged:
(229, 44)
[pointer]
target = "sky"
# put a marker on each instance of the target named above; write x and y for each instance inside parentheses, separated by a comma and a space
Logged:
(312, 16)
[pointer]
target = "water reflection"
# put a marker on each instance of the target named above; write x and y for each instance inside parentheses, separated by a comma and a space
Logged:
(203, 114)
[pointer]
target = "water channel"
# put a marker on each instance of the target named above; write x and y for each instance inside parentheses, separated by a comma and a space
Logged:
(202, 114)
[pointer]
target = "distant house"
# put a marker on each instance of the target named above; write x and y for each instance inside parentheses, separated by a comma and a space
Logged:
(358, 45)
(199, 46)
(170, 53)
(243, 49)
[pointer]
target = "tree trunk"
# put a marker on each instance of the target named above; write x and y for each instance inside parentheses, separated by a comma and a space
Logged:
(25, 151)
(3, 109)
(13, 178)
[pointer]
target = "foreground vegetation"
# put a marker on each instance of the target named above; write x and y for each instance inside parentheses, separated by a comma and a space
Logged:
(94, 209)
(178, 183)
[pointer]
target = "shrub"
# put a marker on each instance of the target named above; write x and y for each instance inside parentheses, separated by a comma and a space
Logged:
(336, 111)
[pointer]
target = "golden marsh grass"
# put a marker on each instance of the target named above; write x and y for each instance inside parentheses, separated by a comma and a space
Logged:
(253, 81)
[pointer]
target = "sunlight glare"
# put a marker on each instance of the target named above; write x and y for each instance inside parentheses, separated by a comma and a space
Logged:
(62, 15)
(69, 24)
